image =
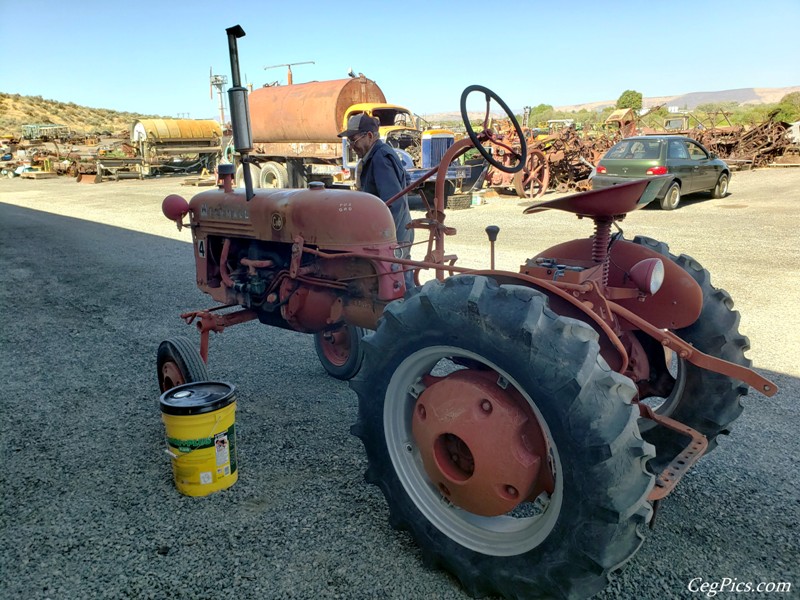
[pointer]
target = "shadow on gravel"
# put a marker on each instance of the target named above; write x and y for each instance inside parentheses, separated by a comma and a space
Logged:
(87, 491)
(88, 499)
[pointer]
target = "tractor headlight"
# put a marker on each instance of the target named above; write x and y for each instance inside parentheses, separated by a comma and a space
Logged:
(648, 275)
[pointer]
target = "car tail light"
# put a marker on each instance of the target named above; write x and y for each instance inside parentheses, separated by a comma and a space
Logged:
(657, 171)
(601, 170)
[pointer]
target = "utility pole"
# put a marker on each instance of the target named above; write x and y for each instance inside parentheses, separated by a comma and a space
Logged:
(289, 68)
(526, 116)
(218, 81)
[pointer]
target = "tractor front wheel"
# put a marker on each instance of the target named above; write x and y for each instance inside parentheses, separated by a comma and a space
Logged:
(502, 441)
(339, 351)
(179, 362)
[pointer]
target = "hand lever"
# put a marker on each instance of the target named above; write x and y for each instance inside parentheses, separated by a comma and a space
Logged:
(492, 231)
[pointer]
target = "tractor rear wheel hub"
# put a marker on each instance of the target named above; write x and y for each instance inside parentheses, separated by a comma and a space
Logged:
(480, 443)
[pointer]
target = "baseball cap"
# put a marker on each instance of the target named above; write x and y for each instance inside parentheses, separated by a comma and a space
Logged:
(362, 123)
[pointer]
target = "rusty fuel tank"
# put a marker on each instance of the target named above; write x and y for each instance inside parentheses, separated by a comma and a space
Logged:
(307, 112)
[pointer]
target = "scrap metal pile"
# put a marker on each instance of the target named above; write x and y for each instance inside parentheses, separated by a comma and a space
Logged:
(150, 147)
(75, 157)
(758, 146)
(570, 158)
(563, 160)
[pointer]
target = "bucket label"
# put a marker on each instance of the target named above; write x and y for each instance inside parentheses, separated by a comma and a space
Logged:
(221, 447)
(223, 443)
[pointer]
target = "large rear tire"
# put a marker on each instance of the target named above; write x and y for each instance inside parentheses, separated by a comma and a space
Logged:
(706, 401)
(560, 538)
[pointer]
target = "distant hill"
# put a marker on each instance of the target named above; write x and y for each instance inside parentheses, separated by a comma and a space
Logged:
(694, 99)
(16, 111)
(689, 101)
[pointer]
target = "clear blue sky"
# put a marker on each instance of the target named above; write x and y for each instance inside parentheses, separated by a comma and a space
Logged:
(154, 57)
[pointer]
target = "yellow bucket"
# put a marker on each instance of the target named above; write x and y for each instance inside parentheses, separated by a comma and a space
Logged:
(201, 436)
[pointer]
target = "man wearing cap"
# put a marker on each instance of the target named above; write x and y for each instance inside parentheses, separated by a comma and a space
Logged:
(381, 174)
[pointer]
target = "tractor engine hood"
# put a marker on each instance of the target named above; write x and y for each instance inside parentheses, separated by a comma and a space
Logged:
(326, 218)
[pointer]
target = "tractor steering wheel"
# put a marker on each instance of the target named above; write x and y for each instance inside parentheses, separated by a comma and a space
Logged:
(490, 95)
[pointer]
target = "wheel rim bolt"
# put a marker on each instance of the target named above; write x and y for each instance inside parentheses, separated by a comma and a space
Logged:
(512, 491)
(486, 406)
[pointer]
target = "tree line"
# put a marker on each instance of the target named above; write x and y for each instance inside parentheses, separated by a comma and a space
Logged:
(713, 113)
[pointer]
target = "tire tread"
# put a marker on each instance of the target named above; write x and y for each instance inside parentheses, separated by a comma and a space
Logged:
(711, 401)
(594, 395)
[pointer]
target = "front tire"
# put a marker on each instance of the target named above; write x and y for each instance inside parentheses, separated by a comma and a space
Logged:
(706, 401)
(179, 362)
(339, 351)
(721, 189)
(672, 198)
(503, 346)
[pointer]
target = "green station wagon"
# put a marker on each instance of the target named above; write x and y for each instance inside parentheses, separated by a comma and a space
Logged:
(686, 166)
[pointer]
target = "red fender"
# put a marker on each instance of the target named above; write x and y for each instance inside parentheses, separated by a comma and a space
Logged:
(676, 305)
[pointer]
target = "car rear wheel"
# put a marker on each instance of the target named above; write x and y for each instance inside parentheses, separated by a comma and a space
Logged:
(721, 189)
(672, 198)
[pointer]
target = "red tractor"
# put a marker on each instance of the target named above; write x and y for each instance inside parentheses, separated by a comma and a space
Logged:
(522, 425)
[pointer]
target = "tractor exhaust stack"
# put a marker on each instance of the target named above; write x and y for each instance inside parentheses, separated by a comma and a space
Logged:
(240, 111)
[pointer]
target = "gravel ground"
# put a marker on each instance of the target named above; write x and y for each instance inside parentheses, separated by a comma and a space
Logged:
(92, 278)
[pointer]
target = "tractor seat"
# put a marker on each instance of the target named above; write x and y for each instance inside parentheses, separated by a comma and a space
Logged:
(619, 199)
